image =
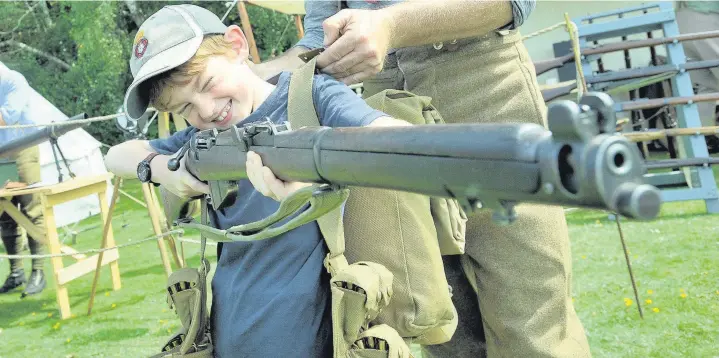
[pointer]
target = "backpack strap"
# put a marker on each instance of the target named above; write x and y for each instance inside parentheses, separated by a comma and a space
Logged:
(301, 112)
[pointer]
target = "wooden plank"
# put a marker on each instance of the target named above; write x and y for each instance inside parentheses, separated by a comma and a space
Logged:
(163, 125)
(69, 250)
(63, 301)
(67, 185)
(156, 228)
(33, 230)
(299, 26)
(292, 7)
(84, 267)
(106, 227)
(108, 236)
(58, 198)
(247, 29)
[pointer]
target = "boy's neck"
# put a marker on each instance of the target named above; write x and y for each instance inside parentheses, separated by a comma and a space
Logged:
(261, 91)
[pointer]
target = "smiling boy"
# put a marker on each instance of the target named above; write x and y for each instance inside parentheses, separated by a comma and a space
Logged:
(270, 298)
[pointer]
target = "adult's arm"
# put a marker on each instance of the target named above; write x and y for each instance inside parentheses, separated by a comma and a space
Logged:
(316, 12)
(358, 40)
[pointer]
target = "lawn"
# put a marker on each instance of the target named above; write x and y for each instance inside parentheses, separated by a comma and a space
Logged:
(673, 259)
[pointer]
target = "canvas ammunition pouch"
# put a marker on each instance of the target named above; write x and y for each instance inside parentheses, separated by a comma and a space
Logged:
(404, 233)
(187, 296)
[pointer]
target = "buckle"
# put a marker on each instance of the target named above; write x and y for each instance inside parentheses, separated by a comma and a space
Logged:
(335, 264)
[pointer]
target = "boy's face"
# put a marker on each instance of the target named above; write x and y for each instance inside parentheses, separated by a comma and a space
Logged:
(218, 97)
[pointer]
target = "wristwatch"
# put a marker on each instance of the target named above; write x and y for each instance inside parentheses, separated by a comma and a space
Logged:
(144, 173)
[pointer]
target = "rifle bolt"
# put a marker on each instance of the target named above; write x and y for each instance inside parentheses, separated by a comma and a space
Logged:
(548, 188)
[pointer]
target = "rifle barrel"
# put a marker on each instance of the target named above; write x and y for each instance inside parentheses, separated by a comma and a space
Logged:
(668, 101)
(18, 144)
(546, 65)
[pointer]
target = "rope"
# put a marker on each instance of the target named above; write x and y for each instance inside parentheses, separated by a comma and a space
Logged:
(67, 123)
(195, 241)
(544, 30)
(94, 251)
(574, 37)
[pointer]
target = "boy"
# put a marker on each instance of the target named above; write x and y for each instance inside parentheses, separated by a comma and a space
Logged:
(270, 298)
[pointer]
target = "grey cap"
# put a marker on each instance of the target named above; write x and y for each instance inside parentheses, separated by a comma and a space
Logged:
(167, 39)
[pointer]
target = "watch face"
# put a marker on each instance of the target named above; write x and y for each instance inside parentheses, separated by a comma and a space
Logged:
(143, 172)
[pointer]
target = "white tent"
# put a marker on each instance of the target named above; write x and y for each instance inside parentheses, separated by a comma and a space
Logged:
(83, 156)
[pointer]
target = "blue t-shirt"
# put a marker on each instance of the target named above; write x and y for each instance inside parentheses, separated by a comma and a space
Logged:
(317, 11)
(271, 298)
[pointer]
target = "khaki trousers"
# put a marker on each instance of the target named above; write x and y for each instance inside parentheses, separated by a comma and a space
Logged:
(707, 80)
(13, 236)
(517, 276)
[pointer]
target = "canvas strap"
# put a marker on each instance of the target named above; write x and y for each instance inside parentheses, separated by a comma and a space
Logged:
(302, 112)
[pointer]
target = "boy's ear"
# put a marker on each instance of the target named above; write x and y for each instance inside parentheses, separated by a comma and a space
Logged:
(234, 35)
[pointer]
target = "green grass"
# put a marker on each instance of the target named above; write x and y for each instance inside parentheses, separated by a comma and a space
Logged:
(672, 255)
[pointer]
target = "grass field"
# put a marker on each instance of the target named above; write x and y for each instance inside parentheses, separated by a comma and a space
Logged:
(674, 260)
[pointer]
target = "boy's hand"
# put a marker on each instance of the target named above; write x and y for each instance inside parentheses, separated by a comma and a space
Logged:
(179, 182)
(266, 182)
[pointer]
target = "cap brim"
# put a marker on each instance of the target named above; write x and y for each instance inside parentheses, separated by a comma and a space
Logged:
(134, 104)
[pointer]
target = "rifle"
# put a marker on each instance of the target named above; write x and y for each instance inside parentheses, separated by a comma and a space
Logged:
(39, 136)
(8, 167)
(673, 132)
(668, 101)
(578, 161)
(546, 65)
(552, 93)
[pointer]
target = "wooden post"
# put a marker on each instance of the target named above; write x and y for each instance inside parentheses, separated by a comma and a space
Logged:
(247, 29)
(300, 28)
(154, 219)
(105, 231)
(163, 125)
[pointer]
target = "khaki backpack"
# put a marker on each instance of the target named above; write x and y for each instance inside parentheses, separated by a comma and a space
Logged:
(406, 233)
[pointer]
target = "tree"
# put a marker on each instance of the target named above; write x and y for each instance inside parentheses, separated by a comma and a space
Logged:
(76, 53)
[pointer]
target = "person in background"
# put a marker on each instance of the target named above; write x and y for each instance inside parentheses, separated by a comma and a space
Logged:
(14, 110)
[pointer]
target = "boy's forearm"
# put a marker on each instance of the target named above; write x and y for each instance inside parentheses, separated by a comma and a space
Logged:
(122, 159)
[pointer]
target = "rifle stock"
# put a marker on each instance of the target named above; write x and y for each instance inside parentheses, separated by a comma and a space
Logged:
(546, 65)
(578, 161)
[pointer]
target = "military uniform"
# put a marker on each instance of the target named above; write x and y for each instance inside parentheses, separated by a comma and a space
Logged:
(518, 276)
(14, 103)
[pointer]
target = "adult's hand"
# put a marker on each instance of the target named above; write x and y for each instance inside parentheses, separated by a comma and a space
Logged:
(357, 42)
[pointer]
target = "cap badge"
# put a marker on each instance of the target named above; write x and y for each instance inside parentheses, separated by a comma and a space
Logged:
(140, 47)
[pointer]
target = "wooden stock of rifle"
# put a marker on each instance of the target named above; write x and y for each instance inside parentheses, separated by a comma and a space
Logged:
(546, 65)
(552, 93)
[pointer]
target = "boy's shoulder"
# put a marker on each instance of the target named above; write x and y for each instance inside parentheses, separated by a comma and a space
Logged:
(320, 81)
